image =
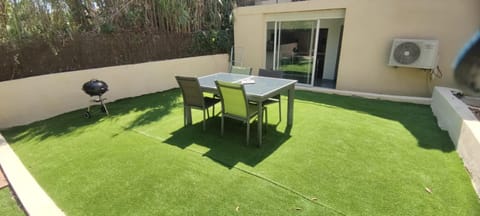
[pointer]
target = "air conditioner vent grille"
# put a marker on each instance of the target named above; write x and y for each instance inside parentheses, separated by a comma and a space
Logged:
(414, 53)
(406, 53)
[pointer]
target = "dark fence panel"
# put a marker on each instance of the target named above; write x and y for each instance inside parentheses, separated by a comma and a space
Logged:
(243, 3)
(89, 50)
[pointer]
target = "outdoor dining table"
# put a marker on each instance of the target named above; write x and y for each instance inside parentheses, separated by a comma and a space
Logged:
(257, 89)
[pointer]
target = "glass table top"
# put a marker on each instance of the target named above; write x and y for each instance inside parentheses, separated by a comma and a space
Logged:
(254, 85)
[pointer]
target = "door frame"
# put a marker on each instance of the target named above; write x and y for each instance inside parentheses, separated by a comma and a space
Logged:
(317, 16)
(277, 39)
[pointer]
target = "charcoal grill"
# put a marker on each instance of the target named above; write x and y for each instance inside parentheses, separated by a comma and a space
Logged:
(95, 88)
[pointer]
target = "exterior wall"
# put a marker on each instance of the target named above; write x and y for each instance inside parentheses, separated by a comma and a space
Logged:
(369, 28)
(36, 98)
(252, 38)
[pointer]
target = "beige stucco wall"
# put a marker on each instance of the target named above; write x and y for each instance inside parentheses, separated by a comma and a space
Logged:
(370, 26)
(31, 99)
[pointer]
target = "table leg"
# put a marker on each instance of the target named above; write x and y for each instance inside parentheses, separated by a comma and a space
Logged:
(260, 121)
(291, 98)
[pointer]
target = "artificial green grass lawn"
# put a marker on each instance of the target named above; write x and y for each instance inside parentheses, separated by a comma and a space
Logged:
(343, 156)
(8, 205)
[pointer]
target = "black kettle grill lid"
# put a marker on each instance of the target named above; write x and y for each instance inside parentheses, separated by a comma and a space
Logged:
(95, 84)
(95, 87)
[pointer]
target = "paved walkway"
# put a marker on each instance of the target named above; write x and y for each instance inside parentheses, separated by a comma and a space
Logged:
(33, 198)
(3, 180)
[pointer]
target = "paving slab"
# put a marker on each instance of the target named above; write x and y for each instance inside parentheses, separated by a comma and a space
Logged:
(3, 180)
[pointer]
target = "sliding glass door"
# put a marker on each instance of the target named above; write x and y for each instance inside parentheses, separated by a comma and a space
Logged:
(291, 48)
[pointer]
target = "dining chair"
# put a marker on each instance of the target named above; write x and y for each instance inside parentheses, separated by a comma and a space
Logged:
(236, 106)
(237, 70)
(276, 98)
(241, 70)
(194, 98)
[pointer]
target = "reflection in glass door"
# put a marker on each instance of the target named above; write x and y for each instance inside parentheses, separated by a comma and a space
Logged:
(291, 48)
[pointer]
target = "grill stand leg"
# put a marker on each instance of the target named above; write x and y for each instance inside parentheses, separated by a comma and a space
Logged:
(103, 104)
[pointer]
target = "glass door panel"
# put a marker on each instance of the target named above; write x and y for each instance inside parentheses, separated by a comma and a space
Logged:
(295, 49)
(303, 50)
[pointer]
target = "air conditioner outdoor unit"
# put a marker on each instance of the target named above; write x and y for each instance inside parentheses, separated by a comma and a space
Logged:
(414, 53)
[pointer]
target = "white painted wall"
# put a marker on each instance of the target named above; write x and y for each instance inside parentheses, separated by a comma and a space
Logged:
(35, 98)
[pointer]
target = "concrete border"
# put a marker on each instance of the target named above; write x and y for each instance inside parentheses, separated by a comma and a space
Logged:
(395, 98)
(33, 198)
(462, 126)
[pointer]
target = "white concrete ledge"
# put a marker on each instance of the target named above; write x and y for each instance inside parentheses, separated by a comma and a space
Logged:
(396, 98)
(462, 126)
(33, 198)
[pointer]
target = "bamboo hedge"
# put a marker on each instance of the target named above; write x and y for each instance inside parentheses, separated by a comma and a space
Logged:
(47, 32)
(48, 19)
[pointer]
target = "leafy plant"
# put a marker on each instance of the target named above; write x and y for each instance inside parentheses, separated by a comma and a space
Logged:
(58, 19)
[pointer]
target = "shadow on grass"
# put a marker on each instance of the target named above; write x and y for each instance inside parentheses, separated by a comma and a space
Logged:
(418, 119)
(230, 148)
(152, 107)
